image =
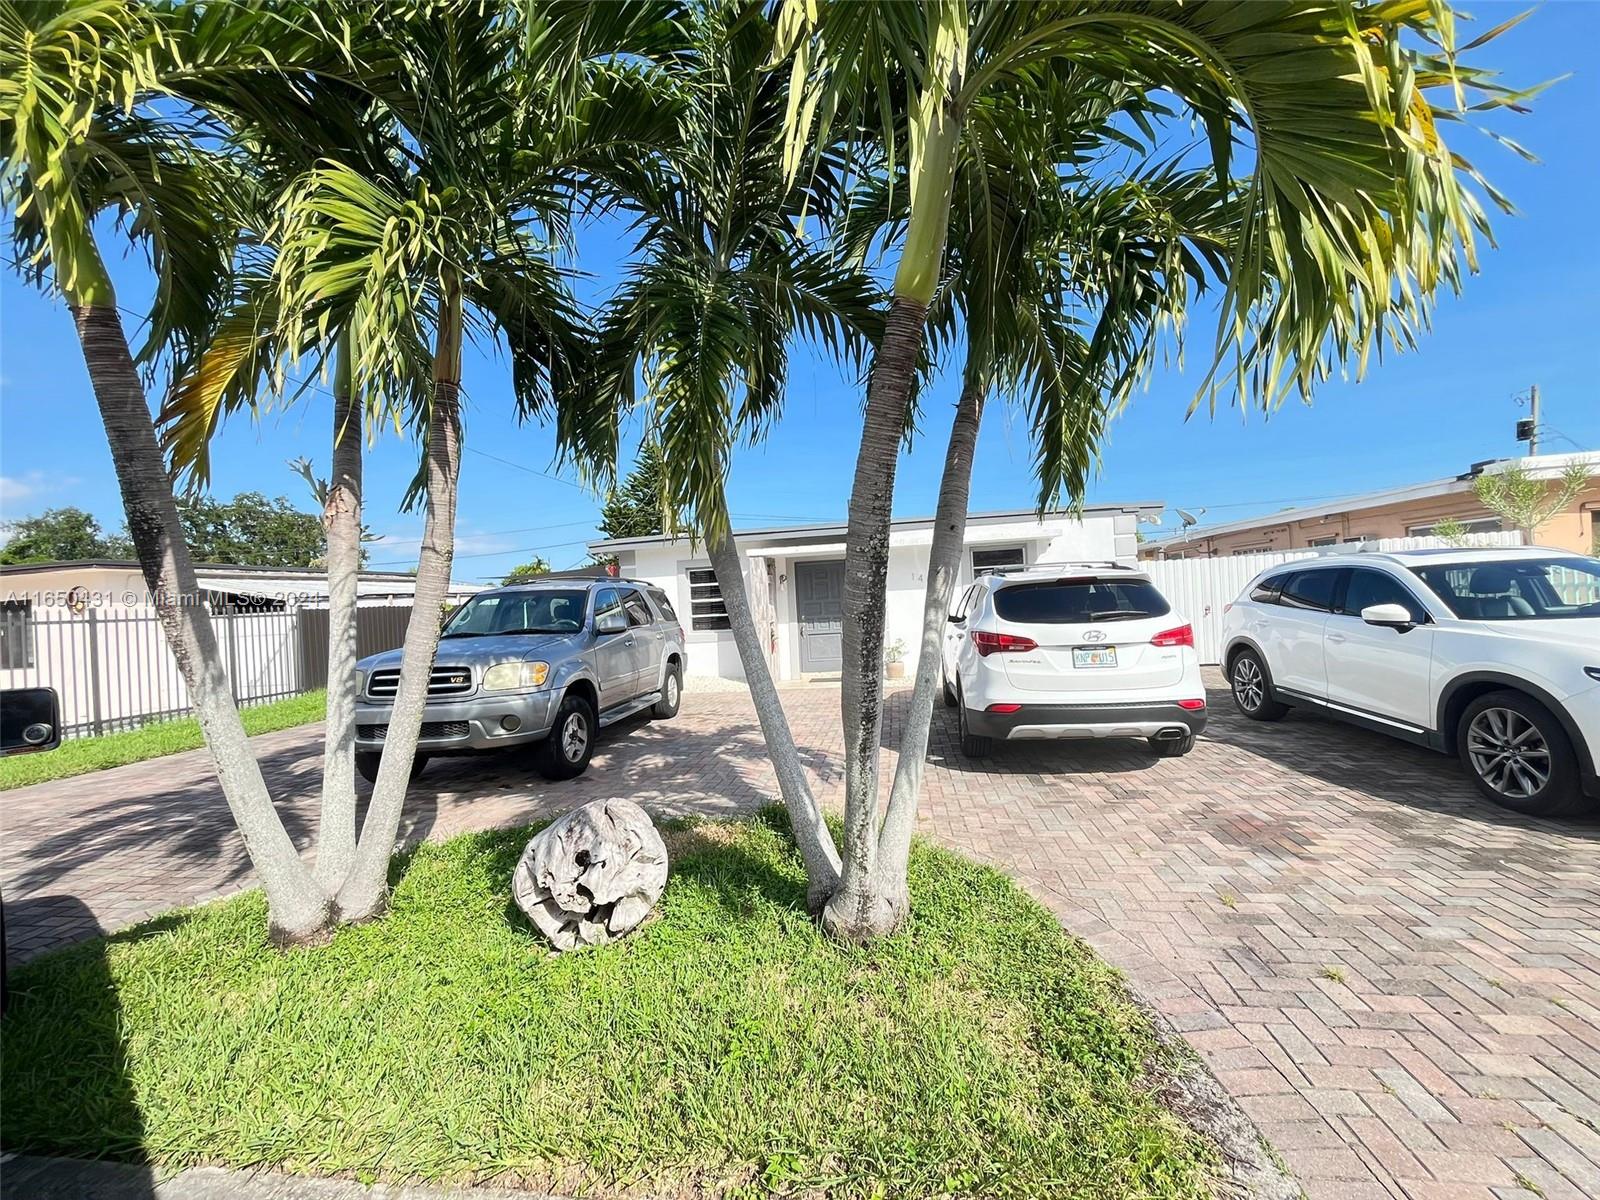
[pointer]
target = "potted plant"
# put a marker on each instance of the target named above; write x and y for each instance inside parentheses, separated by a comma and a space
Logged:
(894, 658)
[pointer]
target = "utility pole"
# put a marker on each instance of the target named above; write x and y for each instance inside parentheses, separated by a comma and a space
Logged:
(1528, 428)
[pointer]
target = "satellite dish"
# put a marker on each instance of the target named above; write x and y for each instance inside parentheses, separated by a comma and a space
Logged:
(1189, 518)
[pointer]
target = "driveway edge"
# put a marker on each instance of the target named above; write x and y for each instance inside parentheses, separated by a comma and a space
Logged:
(1252, 1168)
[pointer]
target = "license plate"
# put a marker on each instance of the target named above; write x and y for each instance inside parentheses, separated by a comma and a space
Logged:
(1094, 656)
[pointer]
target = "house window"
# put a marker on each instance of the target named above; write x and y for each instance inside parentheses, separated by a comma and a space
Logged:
(1468, 525)
(1322, 541)
(16, 635)
(998, 558)
(706, 610)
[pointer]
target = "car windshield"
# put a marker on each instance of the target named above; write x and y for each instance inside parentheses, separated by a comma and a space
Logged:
(545, 610)
(1518, 589)
(1076, 601)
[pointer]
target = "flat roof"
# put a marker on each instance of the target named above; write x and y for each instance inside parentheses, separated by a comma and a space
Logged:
(837, 529)
(1543, 465)
(201, 568)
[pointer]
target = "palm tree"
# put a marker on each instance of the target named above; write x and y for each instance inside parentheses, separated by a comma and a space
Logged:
(1029, 258)
(1354, 213)
(708, 313)
(280, 126)
(77, 142)
(497, 129)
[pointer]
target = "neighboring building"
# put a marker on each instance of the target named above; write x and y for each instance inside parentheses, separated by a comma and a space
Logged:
(88, 630)
(1396, 513)
(795, 578)
(224, 588)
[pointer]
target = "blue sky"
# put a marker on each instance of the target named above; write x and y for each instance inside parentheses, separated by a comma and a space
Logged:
(1529, 317)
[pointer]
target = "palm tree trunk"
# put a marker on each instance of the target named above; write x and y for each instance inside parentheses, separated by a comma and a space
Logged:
(944, 561)
(864, 908)
(341, 520)
(860, 910)
(805, 814)
(297, 908)
(365, 891)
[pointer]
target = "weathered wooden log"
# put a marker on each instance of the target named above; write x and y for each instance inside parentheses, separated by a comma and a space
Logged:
(592, 875)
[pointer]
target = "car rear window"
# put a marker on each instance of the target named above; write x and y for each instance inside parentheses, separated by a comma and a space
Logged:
(1076, 601)
(663, 604)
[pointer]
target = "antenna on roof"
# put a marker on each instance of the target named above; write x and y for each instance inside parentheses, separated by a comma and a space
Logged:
(1189, 519)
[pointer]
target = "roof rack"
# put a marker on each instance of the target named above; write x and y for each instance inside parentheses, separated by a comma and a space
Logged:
(555, 578)
(1365, 546)
(1102, 565)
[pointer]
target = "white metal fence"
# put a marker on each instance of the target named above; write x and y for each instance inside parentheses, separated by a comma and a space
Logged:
(112, 669)
(1200, 588)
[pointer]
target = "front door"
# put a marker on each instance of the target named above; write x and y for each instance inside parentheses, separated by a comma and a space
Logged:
(819, 594)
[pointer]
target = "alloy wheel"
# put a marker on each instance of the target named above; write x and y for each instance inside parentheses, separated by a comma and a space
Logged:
(574, 737)
(1508, 752)
(672, 691)
(1248, 686)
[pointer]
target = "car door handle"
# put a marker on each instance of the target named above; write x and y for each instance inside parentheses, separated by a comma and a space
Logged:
(1336, 637)
(628, 641)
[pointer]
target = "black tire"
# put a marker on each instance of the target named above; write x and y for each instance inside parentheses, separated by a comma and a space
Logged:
(1251, 688)
(946, 692)
(972, 746)
(367, 764)
(565, 752)
(671, 694)
(1172, 747)
(1519, 756)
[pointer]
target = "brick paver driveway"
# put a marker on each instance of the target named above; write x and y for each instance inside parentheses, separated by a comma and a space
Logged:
(1399, 983)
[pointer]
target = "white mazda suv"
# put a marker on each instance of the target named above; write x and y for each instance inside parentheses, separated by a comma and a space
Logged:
(1077, 650)
(1489, 654)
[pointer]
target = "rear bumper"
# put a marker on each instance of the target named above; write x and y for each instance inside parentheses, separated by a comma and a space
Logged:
(1034, 722)
(478, 723)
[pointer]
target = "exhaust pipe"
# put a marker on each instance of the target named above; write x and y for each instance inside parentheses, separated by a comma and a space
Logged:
(1173, 734)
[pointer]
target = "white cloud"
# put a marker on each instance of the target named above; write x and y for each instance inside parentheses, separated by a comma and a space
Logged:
(30, 489)
(14, 490)
(395, 551)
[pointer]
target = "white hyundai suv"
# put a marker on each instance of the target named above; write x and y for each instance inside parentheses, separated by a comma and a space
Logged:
(1490, 654)
(1076, 650)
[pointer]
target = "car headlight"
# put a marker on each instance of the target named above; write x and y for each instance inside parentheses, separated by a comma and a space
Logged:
(515, 676)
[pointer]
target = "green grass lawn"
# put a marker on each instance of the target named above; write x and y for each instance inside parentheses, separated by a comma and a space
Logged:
(79, 756)
(724, 1049)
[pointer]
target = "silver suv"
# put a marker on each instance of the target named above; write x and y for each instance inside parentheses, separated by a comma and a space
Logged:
(544, 663)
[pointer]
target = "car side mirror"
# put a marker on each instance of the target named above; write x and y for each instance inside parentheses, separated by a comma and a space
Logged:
(610, 623)
(1393, 616)
(30, 720)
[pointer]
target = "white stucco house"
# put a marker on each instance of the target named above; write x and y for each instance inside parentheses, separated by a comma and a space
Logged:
(795, 577)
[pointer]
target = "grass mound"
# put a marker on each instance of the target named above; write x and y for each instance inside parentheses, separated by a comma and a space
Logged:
(725, 1048)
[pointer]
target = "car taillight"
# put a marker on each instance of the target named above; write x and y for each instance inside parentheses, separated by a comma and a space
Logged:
(986, 643)
(1183, 635)
(1192, 705)
(1005, 708)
